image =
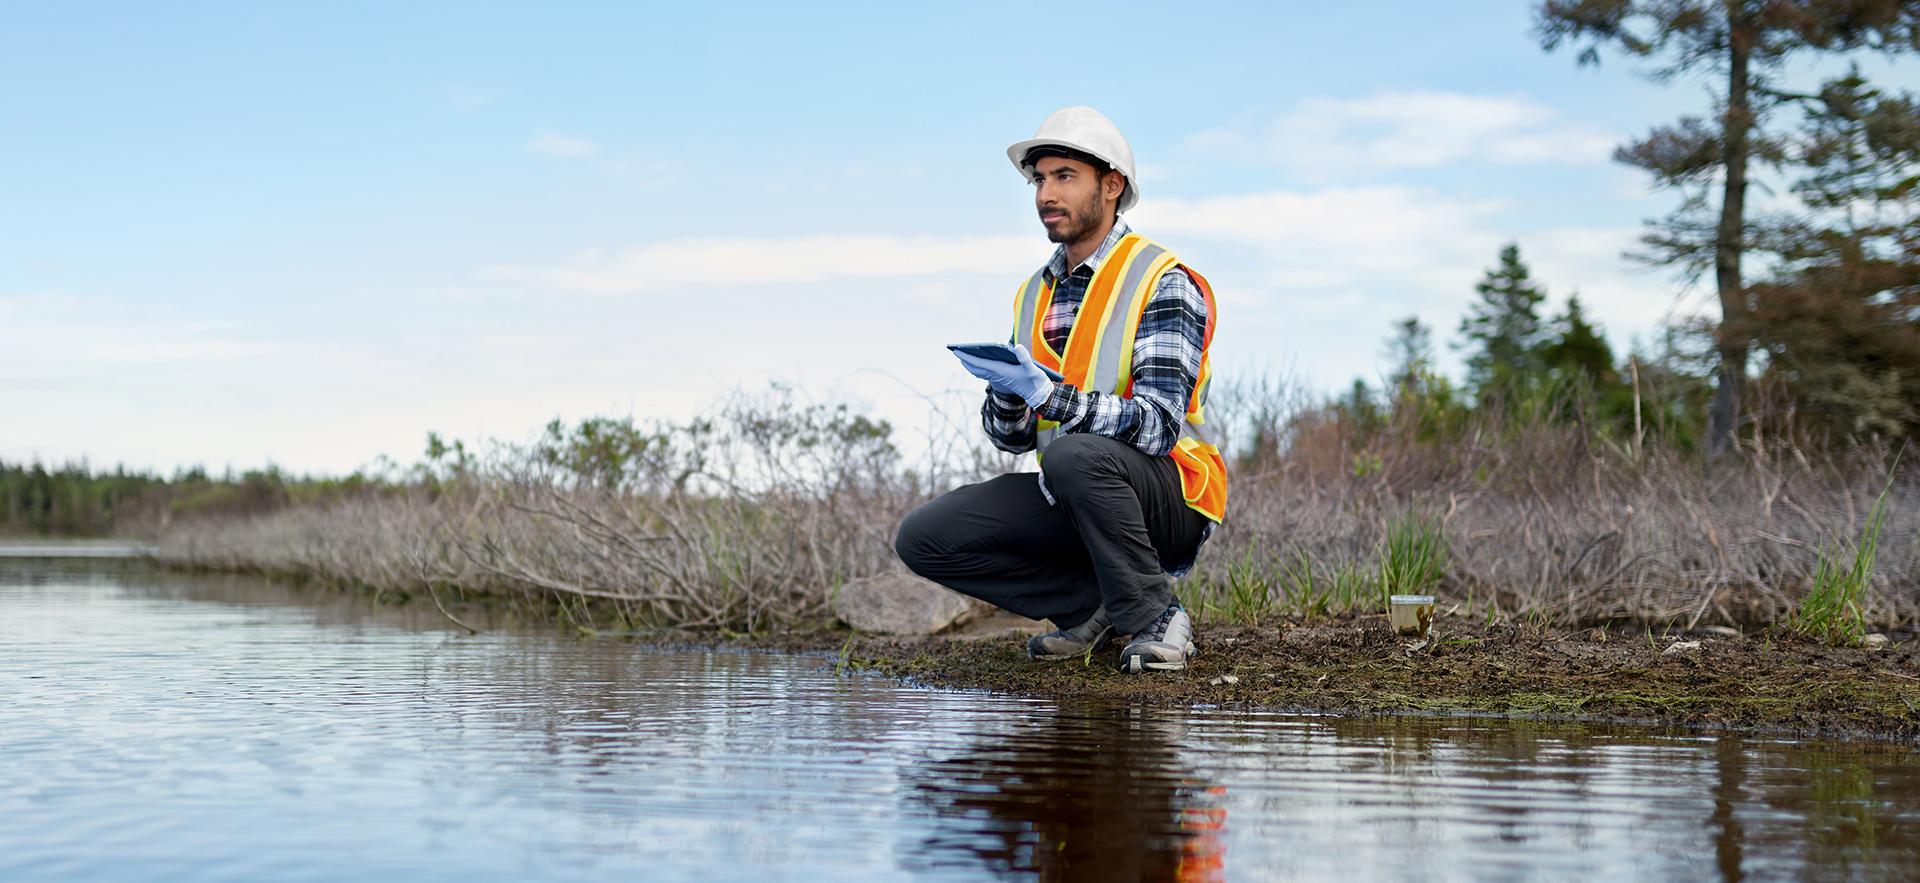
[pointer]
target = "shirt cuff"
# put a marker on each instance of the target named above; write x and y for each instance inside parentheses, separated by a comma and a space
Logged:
(1010, 408)
(1063, 405)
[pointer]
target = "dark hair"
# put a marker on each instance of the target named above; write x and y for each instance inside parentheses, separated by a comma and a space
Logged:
(1045, 150)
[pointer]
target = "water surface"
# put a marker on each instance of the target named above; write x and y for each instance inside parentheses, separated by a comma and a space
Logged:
(162, 727)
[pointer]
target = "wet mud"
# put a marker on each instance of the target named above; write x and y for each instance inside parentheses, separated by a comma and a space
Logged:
(1764, 682)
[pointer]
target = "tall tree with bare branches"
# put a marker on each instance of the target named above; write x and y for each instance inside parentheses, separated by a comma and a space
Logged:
(1744, 46)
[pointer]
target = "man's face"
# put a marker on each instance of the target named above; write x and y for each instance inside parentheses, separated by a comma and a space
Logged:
(1071, 197)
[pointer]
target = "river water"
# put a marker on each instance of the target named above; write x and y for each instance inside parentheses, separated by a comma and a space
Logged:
(161, 727)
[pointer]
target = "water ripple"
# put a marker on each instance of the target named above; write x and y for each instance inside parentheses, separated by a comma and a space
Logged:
(163, 728)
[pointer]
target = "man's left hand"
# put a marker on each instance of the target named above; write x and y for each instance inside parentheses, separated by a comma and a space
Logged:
(1024, 380)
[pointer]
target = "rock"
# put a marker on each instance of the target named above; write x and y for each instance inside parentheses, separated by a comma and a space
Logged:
(1228, 680)
(901, 604)
(1875, 641)
(1681, 647)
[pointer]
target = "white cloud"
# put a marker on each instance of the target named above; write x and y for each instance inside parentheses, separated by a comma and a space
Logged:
(707, 263)
(468, 97)
(1340, 238)
(1317, 277)
(561, 146)
(1622, 296)
(643, 173)
(1327, 138)
(44, 333)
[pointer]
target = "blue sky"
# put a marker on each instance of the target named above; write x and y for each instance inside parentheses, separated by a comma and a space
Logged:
(236, 234)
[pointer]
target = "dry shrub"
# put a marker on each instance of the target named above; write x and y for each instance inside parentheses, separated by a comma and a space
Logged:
(746, 521)
(1560, 518)
(750, 520)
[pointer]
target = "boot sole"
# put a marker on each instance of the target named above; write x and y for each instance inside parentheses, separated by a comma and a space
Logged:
(1140, 665)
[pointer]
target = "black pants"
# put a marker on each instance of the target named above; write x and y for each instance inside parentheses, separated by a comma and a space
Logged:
(1117, 522)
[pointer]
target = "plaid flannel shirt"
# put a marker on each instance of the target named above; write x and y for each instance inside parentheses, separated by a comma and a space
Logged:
(1166, 365)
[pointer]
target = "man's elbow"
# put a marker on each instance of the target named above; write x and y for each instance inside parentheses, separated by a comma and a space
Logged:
(1012, 446)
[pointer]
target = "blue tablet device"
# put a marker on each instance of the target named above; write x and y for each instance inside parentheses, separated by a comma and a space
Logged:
(999, 352)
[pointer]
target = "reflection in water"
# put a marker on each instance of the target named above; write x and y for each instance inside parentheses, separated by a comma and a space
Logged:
(168, 727)
(1093, 794)
(1729, 759)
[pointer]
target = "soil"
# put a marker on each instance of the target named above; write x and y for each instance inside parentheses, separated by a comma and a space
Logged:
(1766, 681)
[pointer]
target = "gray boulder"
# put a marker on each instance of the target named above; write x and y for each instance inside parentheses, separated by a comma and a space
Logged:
(902, 604)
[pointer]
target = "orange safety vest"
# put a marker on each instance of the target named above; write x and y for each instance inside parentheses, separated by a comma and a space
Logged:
(1099, 355)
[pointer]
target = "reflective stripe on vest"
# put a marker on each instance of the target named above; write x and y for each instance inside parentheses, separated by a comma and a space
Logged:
(1099, 355)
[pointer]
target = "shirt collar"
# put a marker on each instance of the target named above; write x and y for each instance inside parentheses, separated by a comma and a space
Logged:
(1057, 265)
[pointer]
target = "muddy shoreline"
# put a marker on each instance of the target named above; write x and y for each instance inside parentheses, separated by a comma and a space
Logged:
(1765, 682)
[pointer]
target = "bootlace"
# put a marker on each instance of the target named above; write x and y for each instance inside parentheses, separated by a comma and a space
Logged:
(1158, 631)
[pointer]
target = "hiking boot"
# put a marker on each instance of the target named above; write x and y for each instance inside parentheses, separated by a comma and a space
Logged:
(1090, 636)
(1165, 645)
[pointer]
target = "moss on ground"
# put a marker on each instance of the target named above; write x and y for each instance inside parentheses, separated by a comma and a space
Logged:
(1764, 683)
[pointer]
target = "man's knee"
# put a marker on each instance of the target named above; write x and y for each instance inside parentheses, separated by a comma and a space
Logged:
(913, 541)
(1070, 459)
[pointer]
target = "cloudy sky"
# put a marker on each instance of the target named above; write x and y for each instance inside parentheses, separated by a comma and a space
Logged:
(306, 234)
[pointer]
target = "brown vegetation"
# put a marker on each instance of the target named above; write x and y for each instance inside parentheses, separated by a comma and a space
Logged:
(749, 521)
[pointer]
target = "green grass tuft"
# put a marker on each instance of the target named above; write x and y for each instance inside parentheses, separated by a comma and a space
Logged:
(1834, 610)
(1414, 559)
(1247, 596)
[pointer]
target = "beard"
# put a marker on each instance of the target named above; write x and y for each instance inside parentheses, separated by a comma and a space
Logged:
(1079, 221)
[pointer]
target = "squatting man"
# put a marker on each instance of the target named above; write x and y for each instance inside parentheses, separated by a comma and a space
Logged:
(1130, 484)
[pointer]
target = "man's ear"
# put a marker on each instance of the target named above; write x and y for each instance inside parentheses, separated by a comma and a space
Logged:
(1113, 183)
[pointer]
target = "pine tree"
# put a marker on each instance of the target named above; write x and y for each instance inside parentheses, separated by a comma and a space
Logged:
(1578, 349)
(1502, 332)
(1840, 319)
(1746, 45)
(1410, 351)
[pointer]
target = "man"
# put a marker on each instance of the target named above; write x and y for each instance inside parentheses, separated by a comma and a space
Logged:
(1129, 483)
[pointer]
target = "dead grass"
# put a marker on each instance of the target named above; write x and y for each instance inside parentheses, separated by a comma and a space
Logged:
(749, 521)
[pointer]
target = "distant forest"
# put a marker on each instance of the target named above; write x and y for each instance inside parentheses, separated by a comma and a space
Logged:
(72, 500)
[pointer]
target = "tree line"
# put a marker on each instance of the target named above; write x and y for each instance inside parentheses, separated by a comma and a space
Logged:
(73, 500)
(1527, 364)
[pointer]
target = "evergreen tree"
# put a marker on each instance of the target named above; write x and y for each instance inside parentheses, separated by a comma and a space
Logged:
(1360, 408)
(1745, 45)
(1578, 349)
(1410, 351)
(1502, 332)
(1840, 319)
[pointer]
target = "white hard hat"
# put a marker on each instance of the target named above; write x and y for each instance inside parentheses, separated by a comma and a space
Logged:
(1088, 131)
